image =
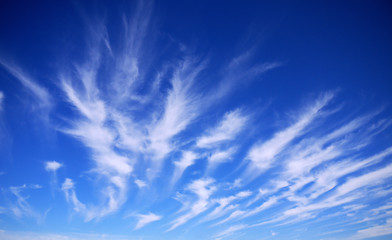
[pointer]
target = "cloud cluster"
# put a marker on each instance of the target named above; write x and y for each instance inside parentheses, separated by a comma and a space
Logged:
(145, 129)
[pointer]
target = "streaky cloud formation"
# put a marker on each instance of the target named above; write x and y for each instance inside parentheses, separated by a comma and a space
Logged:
(188, 159)
(40, 94)
(227, 129)
(230, 231)
(203, 190)
(19, 205)
(145, 219)
(68, 188)
(155, 136)
(375, 231)
(262, 155)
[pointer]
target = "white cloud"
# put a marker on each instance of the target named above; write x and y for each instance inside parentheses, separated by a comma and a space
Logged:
(328, 179)
(231, 124)
(69, 190)
(115, 139)
(304, 210)
(145, 219)
(130, 134)
(236, 184)
(95, 134)
(239, 69)
(264, 67)
(224, 205)
(375, 231)
(349, 127)
(219, 157)
(41, 95)
(20, 207)
(365, 180)
(140, 183)
(52, 166)
(310, 153)
(262, 155)
(270, 202)
(240, 214)
(188, 159)
(230, 231)
(234, 215)
(340, 196)
(203, 191)
(302, 160)
(180, 109)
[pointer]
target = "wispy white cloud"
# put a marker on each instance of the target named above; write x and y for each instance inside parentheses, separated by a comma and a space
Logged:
(188, 159)
(128, 72)
(20, 207)
(69, 190)
(242, 67)
(92, 130)
(310, 153)
(340, 196)
(52, 167)
(268, 203)
(202, 189)
(145, 219)
(219, 157)
(328, 179)
(366, 180)
(140, 183)
(375, 231)
(230, 231)
(119, 139)
(106, 123)
(262, 155)
(241, 214)
(225, 205)
(263, 67)
(43, 99)
(181, 107)
(231, 124)
(317, 168)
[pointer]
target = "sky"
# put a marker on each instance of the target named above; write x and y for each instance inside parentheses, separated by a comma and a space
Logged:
(195, 120)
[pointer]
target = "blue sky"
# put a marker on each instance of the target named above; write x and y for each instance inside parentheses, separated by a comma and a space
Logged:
(195, 120)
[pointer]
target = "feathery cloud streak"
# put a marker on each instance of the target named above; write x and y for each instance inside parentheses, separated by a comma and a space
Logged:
(40, 94)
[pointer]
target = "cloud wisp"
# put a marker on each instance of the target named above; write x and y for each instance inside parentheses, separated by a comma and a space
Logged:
(40, 94)
(262, 155)
(144, 219)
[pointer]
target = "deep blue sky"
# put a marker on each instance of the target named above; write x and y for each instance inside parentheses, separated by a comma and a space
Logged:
(195, 120)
